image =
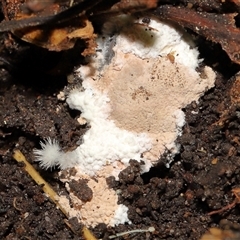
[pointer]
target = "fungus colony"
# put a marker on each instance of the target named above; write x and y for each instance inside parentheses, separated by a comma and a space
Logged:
(133, 90)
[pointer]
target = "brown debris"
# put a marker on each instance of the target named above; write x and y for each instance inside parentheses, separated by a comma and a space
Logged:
(134, 5)
(228, 108)
(235, 91)
(56, 37)
(204, 5)
(218, 234)
(236, 192)
(219, 28)
(81, 189)
(55, 27)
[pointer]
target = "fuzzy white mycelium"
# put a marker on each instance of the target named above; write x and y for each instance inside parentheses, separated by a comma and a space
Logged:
(102, 144)
(139, 64)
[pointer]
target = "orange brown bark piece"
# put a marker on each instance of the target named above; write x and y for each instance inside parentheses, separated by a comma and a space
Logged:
(54, 38)
(134, 4)
(219, 28)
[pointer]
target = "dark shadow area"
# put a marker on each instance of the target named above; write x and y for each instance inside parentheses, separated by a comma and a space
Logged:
(43, 70)
(159, 171)
(216, 57)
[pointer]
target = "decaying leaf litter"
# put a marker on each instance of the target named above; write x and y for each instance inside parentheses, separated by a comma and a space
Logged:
(200, 179)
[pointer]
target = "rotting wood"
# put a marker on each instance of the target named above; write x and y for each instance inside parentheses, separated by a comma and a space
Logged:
(219, 28)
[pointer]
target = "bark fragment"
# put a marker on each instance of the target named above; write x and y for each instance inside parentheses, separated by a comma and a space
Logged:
(219, 28)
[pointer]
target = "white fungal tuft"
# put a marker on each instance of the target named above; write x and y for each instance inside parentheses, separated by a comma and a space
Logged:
(49, 154)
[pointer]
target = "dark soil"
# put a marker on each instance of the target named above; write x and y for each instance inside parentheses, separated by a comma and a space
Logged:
(176, 200)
